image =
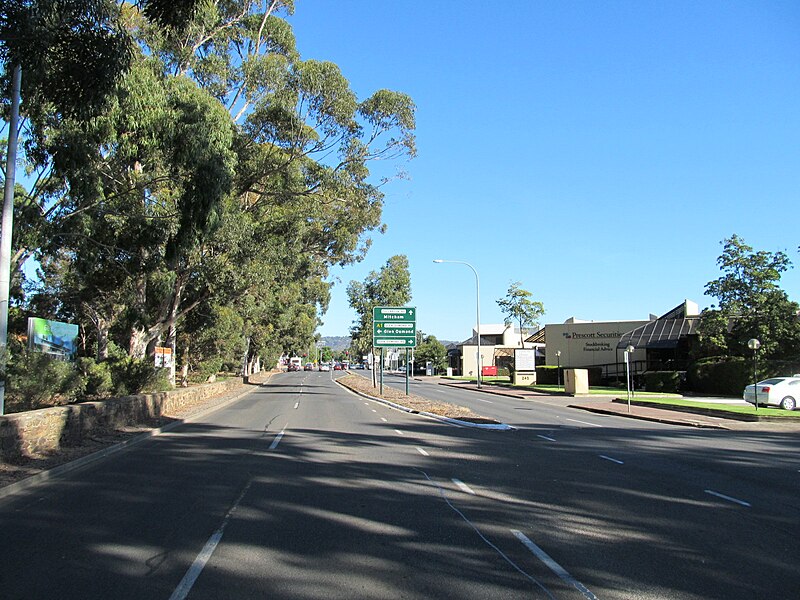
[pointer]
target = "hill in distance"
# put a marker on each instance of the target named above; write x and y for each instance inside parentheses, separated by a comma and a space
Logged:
(342, 342)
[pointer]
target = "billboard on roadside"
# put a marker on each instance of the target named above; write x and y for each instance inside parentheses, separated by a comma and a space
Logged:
(55, 338)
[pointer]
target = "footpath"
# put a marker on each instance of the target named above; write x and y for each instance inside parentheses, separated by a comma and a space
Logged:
(610, 405)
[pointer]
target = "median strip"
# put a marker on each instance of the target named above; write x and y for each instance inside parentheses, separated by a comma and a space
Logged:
(442, 411)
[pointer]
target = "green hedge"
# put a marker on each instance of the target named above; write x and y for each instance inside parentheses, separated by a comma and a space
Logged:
(728, 375)
(548, 375)
(662, 381)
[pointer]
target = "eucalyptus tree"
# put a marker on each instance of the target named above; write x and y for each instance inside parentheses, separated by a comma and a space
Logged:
(226, 172)
(391, 286)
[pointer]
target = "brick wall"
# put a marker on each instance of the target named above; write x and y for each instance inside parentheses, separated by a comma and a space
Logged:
(44, 431)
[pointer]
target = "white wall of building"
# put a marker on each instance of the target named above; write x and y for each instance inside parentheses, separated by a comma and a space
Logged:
(469, 355)
(587, 344)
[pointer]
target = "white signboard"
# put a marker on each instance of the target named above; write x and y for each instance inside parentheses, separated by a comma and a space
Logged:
(524, 359)
(163, 357)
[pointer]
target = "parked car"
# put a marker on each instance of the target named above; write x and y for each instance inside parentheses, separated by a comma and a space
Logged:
(776, 391)
(324, 367)
(294, 364)
(308, 367)
(337, 367)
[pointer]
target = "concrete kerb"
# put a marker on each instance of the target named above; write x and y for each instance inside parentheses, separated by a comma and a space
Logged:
(668, 420)
(449, 421)
(84, 462)
(483, 389)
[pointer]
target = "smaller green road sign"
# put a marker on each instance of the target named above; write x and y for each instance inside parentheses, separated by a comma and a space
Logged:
(394, 313)
(395, 342)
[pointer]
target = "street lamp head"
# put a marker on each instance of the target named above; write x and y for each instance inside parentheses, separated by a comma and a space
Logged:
(753, 344)
(629, 349)
(558, 352)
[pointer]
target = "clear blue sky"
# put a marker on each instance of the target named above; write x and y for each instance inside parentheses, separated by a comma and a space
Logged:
(597, 152)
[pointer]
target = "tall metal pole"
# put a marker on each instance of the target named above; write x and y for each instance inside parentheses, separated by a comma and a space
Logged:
(755, 376)
(407, 365)
(628, 377)
(477, 307)
(7, 227)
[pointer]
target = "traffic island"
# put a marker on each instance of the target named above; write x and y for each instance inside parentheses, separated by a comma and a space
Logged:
(459, 415)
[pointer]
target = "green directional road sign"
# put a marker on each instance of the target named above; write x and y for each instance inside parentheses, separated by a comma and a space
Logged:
(394, 327)
(394, 314)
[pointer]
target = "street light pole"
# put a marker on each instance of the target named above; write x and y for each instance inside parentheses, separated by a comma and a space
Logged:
(628, 352)
(754, 345)
(477, 306)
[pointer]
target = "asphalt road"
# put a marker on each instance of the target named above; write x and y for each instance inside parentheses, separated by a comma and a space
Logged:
(304, 490)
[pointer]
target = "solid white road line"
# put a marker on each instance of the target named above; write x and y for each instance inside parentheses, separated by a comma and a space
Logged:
(486, 540)
(185, 586)
(728, 498)
(463, 486)
(614, 460)
(584, 423)
(421, 451)
(553, 565)
(384, 419)
(296, 404)
(544, 437)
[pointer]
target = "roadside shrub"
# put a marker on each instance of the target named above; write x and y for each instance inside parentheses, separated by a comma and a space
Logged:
(207, 370)
(97, 377)
(134, 376)
(662, 381)
(37, 380)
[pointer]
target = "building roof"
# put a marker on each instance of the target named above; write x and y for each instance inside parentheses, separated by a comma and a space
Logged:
(537, 338)
(662, 333)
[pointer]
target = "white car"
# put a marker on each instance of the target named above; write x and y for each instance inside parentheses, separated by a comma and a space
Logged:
(776, 391)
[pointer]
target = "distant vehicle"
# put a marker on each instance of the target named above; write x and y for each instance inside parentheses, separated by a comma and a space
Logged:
(324, 367)
(776, 391)
(338, 367)
(295, 364)
(308, 367)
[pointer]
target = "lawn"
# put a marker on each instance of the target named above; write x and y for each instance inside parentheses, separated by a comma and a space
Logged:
(559, 389)
(763, 411)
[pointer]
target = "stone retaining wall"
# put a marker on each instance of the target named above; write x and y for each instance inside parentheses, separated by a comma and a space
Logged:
(44, 431)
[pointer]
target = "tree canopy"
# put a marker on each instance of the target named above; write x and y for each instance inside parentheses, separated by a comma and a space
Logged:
(223, 178)
(391, 286)
(518, 308)
(750, 304)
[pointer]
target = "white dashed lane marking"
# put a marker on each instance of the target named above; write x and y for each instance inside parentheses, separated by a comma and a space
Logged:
(728, 498)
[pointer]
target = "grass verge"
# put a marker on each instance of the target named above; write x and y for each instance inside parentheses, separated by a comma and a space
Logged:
(749, 410)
